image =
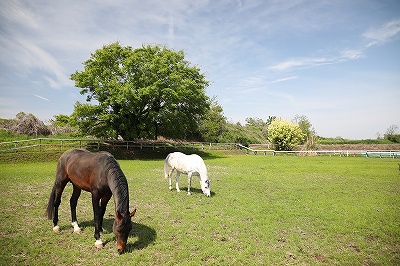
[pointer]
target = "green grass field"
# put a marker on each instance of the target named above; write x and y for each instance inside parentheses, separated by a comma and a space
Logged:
(282, 210)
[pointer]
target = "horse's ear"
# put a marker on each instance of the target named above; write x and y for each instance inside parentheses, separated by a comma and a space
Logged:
(133, 213)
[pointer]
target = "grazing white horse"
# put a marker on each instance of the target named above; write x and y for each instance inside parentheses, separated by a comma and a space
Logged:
(187, 164)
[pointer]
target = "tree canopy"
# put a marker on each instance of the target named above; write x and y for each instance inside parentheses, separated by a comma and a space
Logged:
(140, 93)
(305, 125)
(213, 123)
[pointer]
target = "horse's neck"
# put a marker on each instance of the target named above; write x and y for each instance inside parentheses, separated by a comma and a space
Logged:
(119, 188)
(203, 176)
(202, 170)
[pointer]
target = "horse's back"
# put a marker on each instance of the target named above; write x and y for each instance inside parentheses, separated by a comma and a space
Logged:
(186, 163)
(81, 156)
(83, 152)
(82, 167)
(198, 163)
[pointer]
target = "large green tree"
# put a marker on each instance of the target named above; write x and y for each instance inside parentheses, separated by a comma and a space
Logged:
(140, 93)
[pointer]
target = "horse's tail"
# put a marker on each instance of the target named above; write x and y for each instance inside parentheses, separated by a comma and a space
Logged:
(166, 166)
(50, 205)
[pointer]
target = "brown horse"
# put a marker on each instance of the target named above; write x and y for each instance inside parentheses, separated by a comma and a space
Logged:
(100, 174)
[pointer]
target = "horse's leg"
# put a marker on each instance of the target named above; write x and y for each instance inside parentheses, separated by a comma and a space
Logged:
(73, 202)
(170, 178)
(177, 180)
(57, 201)
(96, 212)
(189, 182)
(103, 206)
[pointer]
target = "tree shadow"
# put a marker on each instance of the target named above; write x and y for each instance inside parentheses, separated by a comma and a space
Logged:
(145, 234)
(151, 154)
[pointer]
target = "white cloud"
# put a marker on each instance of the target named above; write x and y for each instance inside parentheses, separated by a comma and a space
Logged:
(41, 97)
(23, 44)
(16, 12)
(377, 36)
(21, 53)
(383, 34)
(310, 62)
(301, 63)
(351, 54)
(282, 79)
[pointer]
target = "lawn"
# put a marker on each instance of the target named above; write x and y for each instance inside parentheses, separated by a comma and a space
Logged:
(263, 210)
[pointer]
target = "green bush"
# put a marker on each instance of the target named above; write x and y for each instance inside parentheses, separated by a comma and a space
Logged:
(394, 138)
(284, 135)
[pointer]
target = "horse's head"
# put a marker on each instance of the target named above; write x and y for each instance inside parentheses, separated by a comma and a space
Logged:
(122, 227)
(205, 187)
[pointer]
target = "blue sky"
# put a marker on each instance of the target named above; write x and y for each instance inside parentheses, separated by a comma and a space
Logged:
(336, 62)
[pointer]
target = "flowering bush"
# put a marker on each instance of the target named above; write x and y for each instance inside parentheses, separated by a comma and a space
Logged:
(284, 135)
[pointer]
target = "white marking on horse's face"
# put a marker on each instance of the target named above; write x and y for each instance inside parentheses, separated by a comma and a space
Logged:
(205, 187)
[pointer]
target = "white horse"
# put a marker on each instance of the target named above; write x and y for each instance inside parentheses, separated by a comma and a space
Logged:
(187, 164)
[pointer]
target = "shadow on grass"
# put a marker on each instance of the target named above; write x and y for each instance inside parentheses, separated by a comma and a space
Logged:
(154, 154)
(118, 153)
(145, 234)
(196, 190)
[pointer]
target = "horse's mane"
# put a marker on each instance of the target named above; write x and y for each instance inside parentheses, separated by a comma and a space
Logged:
(118, 184)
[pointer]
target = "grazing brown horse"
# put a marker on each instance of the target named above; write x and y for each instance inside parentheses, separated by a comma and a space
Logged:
(100, 174)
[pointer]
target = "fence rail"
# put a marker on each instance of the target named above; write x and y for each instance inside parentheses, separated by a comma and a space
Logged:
(364, 153)
(50, 144)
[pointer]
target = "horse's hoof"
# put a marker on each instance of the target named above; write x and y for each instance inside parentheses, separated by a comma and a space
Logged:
(99, 244)
(56, 229)
(77, 229)
(189, 193)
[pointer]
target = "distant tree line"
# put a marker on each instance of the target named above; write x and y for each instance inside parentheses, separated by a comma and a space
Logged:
(214, 127)
(392, 134)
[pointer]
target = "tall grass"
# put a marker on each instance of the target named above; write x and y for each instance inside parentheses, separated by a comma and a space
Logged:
(263, 210)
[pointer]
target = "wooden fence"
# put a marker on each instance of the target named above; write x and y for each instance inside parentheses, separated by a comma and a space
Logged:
(50, 144)
(364, 153)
